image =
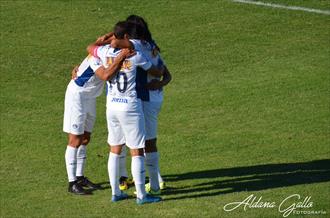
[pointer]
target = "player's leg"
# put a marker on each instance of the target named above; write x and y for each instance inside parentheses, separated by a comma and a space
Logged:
(124, 181)
(82, 155)
(116, 141)
(113, 170)
(71, 164)
(138, 171)
(73, 124)
(71, 156)
(133, 126)
(90, 106)
(151, 111)
(152, 159)
(81, 163)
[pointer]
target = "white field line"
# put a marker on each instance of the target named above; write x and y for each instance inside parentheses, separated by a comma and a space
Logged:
(296, 8)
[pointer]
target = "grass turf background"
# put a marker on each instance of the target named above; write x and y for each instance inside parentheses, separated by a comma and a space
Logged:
(247, 112)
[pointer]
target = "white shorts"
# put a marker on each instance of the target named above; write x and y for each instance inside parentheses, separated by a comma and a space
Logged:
(79, 113)
(126, 127)
(151, 111)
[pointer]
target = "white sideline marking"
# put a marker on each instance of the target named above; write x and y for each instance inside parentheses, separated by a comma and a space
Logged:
(296, 8)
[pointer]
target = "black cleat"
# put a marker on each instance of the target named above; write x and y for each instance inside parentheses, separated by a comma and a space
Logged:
(85, 182)
(75, 188)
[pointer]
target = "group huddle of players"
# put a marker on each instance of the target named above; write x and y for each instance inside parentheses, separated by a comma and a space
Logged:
(128, 60)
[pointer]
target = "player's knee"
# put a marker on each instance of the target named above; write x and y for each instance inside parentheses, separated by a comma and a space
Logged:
(75, 140)
(137, 152)
(150, 145)
(116, 149)
(86, 139)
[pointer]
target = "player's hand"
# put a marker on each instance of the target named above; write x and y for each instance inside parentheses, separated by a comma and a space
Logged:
(154, 85)
(74, 72)
(127, 53)
(105, 39)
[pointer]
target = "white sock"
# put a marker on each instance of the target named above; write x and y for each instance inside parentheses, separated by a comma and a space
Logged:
(152, 167)
(122, 163)
(81, 160)
(160, 179)
(139, 174)
(113, 170)
(71, 162)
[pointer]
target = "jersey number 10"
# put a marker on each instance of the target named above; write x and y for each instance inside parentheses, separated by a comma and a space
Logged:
(121, 81)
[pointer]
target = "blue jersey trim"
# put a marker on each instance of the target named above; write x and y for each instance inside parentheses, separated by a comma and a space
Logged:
(160, 62)
(106, 89)
(116, 50)
(141, 82)
(84, 77)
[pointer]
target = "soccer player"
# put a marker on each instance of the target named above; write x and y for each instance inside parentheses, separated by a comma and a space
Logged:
(79, 116)
(152, 95)
(126, 124)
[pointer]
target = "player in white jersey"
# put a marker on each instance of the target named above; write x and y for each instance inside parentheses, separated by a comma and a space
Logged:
(125, 117)
(151, 96)
(79, 116)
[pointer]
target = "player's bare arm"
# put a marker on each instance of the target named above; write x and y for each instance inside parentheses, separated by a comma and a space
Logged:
(107, 73)
(74, 72)
(155, 71)
(167, 77)
(156, 84)
(102, 40)
(105, 39)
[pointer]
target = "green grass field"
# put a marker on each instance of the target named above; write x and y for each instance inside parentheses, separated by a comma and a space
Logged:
(247, 112)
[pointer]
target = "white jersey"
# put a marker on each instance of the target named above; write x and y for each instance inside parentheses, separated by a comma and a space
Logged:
(153, 56)
(122, 91)
(87, 84)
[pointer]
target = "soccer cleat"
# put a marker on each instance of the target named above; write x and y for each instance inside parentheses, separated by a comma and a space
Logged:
(162, 185)
(147, 187)
(85, 182)
(75, 188)
(150, 191)
(130, 182)
(125, 183)
(154, 193)
(148, 199)
(120, 197)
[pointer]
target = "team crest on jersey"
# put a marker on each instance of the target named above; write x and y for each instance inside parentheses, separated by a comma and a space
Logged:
(127, 64)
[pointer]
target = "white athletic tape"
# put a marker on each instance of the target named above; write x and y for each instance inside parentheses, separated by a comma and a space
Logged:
(296, 8)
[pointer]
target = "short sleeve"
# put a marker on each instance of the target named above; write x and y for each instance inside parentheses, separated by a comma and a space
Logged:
(137, 44)
(94, 63)
(142, 61)
(101, 51)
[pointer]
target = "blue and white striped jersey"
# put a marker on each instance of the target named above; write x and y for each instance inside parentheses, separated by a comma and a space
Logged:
(87, 84)
(150, 52)
(123, 91)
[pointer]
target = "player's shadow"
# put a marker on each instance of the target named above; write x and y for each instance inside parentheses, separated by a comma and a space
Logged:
(103, 186)
(251, 178)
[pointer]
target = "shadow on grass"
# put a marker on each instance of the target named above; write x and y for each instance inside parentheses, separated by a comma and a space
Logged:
(251, 178)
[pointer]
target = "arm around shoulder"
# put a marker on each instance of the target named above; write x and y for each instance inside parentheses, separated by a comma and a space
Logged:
(109, 72)
(167, 77)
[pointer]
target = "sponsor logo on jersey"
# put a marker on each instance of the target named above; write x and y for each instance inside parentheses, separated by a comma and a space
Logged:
(120, 100)
(127, 64)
